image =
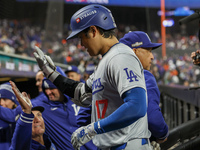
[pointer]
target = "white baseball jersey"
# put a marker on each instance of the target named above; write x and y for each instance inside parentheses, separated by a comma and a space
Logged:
(119, 71)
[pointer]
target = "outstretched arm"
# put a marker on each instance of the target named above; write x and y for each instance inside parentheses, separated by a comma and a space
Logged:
(77, 90)
(23, 132)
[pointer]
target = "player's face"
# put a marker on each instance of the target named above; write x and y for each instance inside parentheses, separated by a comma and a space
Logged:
(39, 77)
(54, 95)
(146, 57)
(90, 41)
(7, 103)
(86, 76)
(74, 76)
(38, 127)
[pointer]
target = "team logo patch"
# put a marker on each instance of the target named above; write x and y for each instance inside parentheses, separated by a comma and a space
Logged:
(130, 75)
(137, 44)
(97, 86)
(78, 20)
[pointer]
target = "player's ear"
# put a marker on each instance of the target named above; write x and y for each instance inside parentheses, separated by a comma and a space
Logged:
(135, 50)
(93, 30)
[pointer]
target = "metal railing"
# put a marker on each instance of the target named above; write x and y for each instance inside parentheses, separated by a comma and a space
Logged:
(180, 108)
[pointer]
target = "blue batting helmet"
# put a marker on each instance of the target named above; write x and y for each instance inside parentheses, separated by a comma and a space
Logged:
(87, 16)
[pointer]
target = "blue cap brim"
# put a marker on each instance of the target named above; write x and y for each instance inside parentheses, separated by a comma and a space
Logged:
(74, 34)
(38, 108)
(152, 45)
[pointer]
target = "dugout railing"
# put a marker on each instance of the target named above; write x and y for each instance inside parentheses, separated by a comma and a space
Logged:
(180, 108)
(12, 65)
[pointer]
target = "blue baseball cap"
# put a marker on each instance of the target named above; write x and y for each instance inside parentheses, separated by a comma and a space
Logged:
(137, 39)
(7, 92)
(72, 69)
(46, 83)
(39, 108)
(90, 69)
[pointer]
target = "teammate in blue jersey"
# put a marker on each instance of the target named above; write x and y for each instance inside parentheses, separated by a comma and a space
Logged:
(59, 115)
(8, 102)
(142, 46)
(116, 90)
(84, 114)
(11, 115)
(39, 77)
(30, 128)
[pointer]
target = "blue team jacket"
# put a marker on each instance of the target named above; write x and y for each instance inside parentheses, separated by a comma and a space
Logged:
(156, 122)
(22, 137)
(6, 132)
(8, 119)
(59, 120)
(41, 96)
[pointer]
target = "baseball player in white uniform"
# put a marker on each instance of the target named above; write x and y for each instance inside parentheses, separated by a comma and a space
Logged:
(116, 89)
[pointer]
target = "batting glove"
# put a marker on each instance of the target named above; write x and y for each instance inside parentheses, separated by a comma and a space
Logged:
(44, 62)
(82, 135)
(155, 145)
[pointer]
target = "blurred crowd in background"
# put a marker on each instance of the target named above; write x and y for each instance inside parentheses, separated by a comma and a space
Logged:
(20, 37)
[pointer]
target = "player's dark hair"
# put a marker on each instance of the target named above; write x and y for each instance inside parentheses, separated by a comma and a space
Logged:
(105, 33)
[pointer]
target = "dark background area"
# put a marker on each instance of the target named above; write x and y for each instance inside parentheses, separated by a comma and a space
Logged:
(143, 18)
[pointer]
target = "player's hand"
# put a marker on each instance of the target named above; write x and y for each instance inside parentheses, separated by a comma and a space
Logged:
(195, 58)
(161, 141)
(44, 62)
(155, 145)
(22, 98)
(82, 135)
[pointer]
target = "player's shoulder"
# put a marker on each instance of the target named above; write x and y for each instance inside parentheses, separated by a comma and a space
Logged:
(123, 49)
(120, 49)
(39, 102)
(149, 78)
(148, 73)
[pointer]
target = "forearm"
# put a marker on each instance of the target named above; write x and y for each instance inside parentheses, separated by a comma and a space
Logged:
(9, 115)
(66, 85)
(80, 92)
(157, 124)
(84, 116)
(133, 108)
(23, 133)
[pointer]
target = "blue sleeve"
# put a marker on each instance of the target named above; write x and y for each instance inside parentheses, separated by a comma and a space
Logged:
(134, 107)
(3, 124)
(84, 116)
(40, 97)
(156, 122)
(83, 119)
(22, 136)
(9, 115)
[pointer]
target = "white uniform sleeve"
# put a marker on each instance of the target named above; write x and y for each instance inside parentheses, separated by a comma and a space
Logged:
(126, 72)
